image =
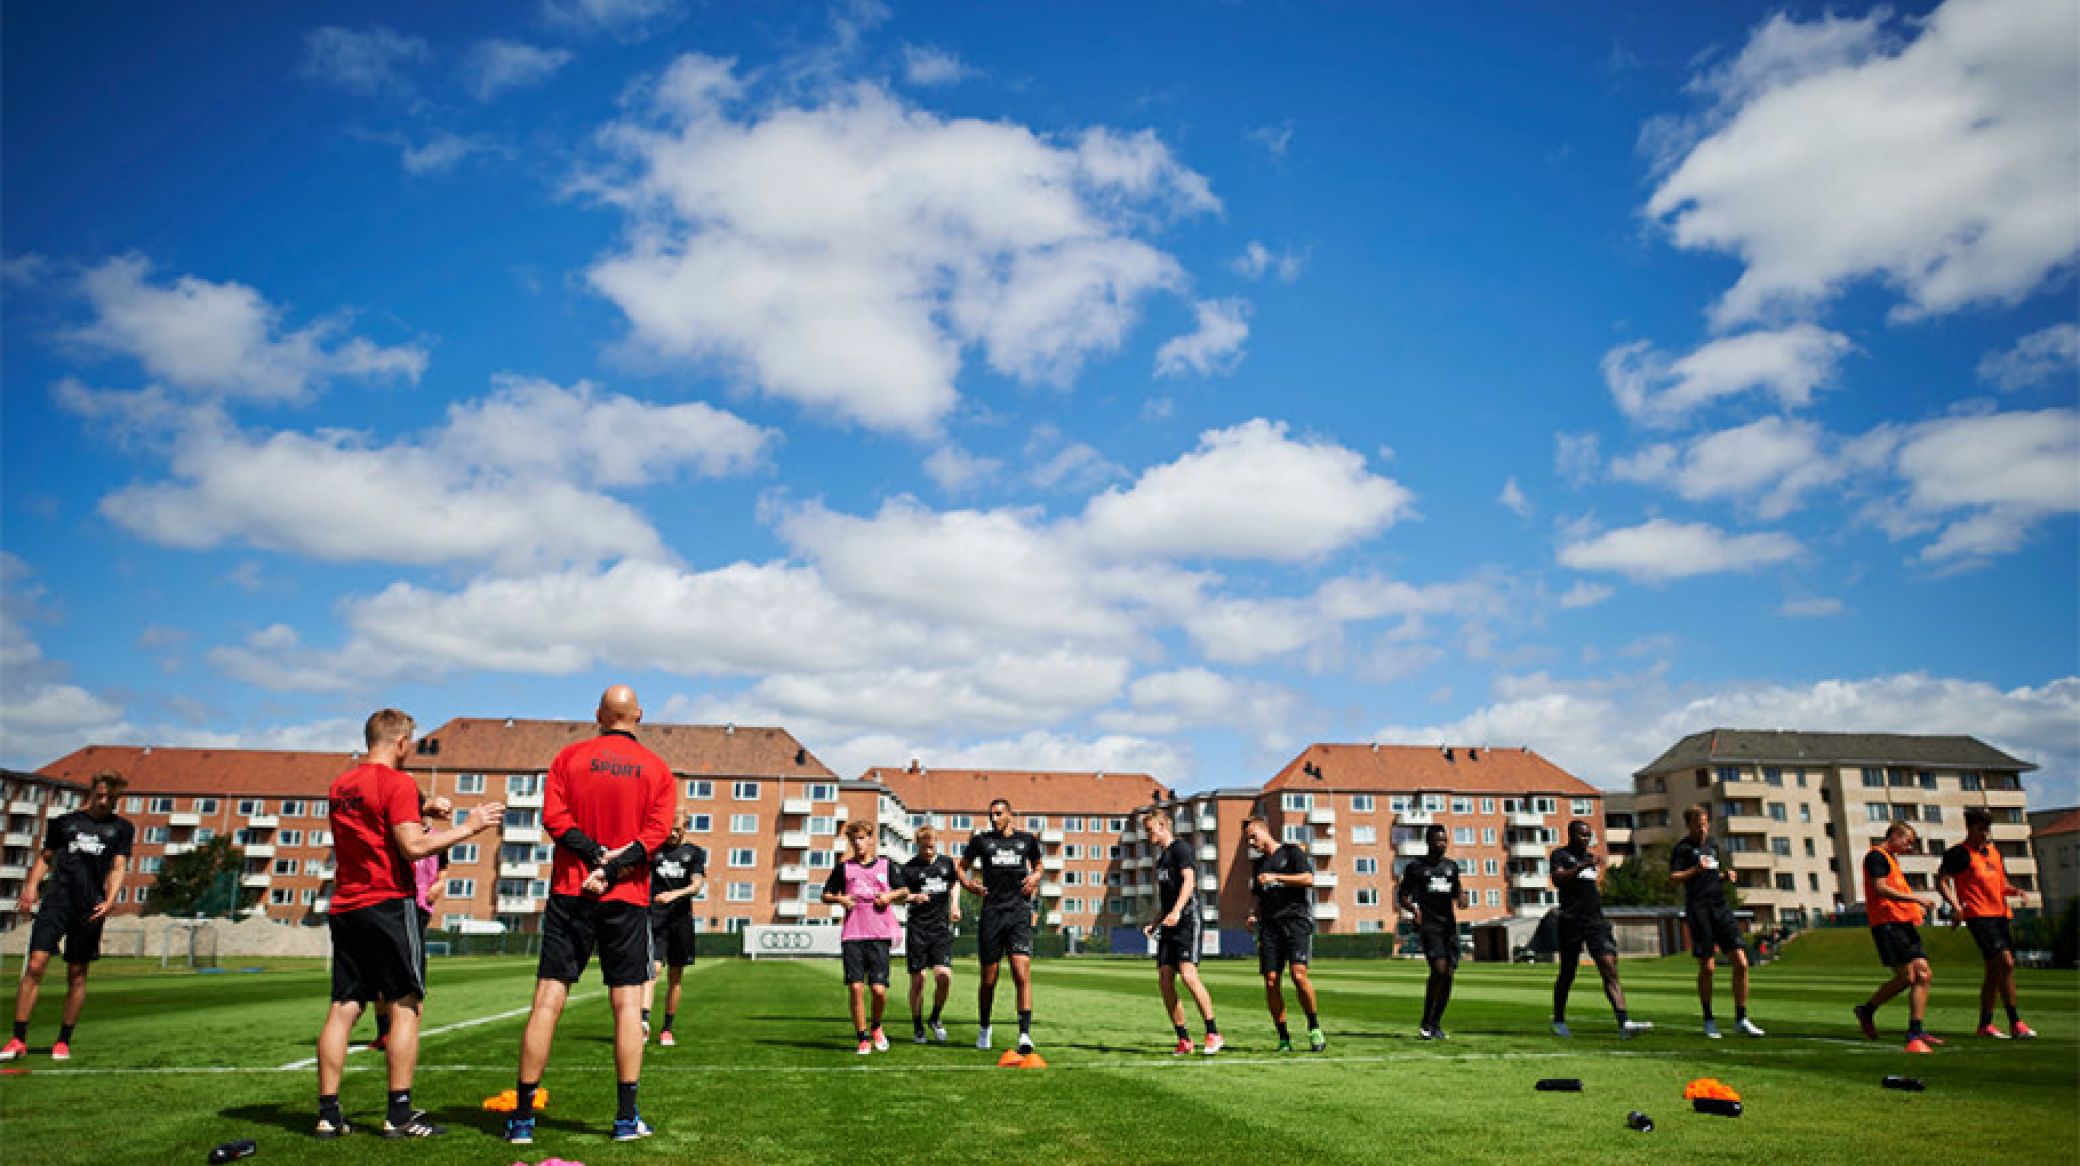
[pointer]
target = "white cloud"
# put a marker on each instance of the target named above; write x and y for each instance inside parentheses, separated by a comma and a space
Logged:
(1816, 165)
(1214, 348)
(1512, 499)
(1585, 594)
(486, 487)
(1258, 261)
(1771, 464)
(1273, 140)
(924, 65)
(1660, 550)
(1816, 607)
(444, 151)
(1604, 730)
(2051, 355)
(1076, 466)
(1249, 492)
(1789, 364)
(623, 19)
(843, 255)
(2007, 472)
(1577, 457)
(223, 339)
(367, 61)
(956, 470)
(498, 66)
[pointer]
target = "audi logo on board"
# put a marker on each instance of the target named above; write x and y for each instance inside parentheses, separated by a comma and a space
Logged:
(786, 941)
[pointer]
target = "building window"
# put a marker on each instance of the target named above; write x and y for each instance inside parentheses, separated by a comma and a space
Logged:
(1072, 850)
(523, 784)
(209, 806)
(1878, 812)
(822, 860)
(1111, 853)
(292, 838)
(1072, 878)
(462, 890)
(823, 791)
(469, 784)
(1729, 774)
(1773, 777)
(1780, 846)
(1368, 896)
(1294, 833)
(281, 897)
(1365, 835)
(740, 892)
(1072, 906)
(743, 823)
(1585, 807)
(1487, 805)
(526, 819)
(1433, 803)
(962, 823)
(247, 807)
(1813, 880)
(1494, 898)
(1463, 836)
(1361, 803)
(700, 823)
(1787, 882)
(1462, 805)
(823, 824)
(1115, 825)
(285, 866)
(1398, 803)
(157, 834)
(700, 790)
(1873, 778)
(1968, 782)
(1487, 836)
(743, 857)
(131, 805)
(465, 852)
(1035, 823)
(1490, 866)
(1805, 812)
(292, 808)
(162, 805)
(1073, 825)
(1932, 813)
(1546, 805)
(1777, 812)
(1368, 866)
(744, 791)
(1371, 926)
(1296, 802)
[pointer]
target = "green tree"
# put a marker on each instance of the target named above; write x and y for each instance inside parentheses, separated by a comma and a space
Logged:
(1642, 881)
(203, 881)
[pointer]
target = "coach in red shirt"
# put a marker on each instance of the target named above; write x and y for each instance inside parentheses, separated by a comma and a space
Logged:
(378, 952)
(609, 805)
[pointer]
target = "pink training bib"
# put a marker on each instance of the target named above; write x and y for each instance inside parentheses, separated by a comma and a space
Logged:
(865, 920)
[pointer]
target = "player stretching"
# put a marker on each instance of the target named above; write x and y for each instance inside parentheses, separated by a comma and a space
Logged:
(867, 886)
(1430, 892)
(87, 852)
(378, 949)
(1895, 912)
(1010, 863)
(1177, 930)
(1577, 876)
(1974, 881)
(609, 804)
(1695, 863)
(928, 934)
(1283, 919)
(678, 874)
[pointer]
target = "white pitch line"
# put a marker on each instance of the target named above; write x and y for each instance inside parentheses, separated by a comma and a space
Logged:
(311, 1062)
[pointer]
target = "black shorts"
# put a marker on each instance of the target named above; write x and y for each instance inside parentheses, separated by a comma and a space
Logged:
(1712, 930)
(1179, 945)
(573, 924)
(59, 921)
(378, 952)
(931, 950)
(1440, 942)
(1006, 931)
(671, 939)
(1284, 941)
(1898, 944)
(1991, 934)
(866, 961)
(1594, 935)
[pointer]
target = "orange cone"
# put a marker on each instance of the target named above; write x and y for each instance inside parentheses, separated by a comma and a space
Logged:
(1034, 1061)
(1012, 1059)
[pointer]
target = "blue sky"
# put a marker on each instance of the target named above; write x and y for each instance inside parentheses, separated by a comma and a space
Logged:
(1151, 387)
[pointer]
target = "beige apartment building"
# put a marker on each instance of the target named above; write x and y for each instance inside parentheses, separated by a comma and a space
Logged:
(1797, 811)
(2055, 838)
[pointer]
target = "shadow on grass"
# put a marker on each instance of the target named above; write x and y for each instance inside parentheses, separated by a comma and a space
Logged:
(295, 1119)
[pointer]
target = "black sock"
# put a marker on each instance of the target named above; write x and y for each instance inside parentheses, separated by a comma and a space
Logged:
(917, 1024)
(985, 1016)
(1559, 1011)
(865, 1036)
(625, 1101)
(1914, 1027)
(1985, 1018)
(1622, 1017)
(936, 1008)
(382, 1025)
(524, 1092)
(1740, 1013)
(669, 1017)
(21, 1030)
(1282, 1033)
(1025, 1022)
(328, 1108)
(1212, 1029)
(64, 1034)
(1313, 1021)
(1707, 1014)
(1183, 1033)
(2013, 1016)
(646, 1016)
(400, 1110)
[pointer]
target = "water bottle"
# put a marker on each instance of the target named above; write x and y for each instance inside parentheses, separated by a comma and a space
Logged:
(1640, 1122)
(1559, 1085)
(1716, 1105)
(1909, 1084)
(231, 1151)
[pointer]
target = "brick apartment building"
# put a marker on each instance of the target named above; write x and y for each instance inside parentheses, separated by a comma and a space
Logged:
(29, 800)
(1081, 819)
(1361, 811)
(1797, 811)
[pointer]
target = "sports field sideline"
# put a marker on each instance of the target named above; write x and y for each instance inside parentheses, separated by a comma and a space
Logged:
(168, 1065)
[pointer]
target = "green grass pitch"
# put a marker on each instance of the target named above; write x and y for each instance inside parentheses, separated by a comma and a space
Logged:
(166, 1066)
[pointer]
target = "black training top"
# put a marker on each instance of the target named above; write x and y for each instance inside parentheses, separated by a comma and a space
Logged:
(1575, 872)
(1282, 903)
(673, 869)
(1703, 889)
(1005, 860)
(82, 851)
(1434, 887)
(932, 914)
(1170, 867)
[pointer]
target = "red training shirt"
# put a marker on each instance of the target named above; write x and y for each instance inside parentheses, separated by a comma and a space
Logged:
(368, 802)
(617, 792)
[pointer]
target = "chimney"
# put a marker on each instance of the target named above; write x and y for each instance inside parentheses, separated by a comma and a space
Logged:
(1447, 750)
(730, 729)
(1375, 746)
(1472, 753)
(913, 765)
(801, 757)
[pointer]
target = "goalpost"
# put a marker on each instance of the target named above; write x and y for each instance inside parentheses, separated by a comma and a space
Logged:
(194, 940)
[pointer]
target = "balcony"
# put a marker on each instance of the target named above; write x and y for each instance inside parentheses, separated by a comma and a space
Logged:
(1322, 816)
(1322, 848)
(794, 874)
(262, 822)
(791, 909)
(1050, 890)
(794, 840)
(1527, 881)
(1209, 883)
(796, 806)
(1411, 848)
(1523, 821)
(528, 834)
(13, 871)
(322, 906)
(1325, 878)
(1761, 860)
(1051, 837)
(258, 849)
(30, 808)
(1414, 818)
(518, 905)
(18, 838)
(519, 870)
(1527, 850)
(1051, 862)
(1326, 911)
(531, 801)
(255, 881)
(175, 848)
(1209, 853)
(184, 819)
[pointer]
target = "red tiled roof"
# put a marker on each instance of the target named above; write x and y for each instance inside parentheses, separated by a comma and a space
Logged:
(166, 770)
(1417, 768)
(970, 791)
(2063, 825)
(491, 744)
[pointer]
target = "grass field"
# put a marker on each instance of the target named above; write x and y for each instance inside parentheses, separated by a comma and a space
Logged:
(166, 1066)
